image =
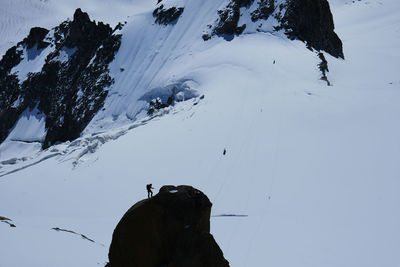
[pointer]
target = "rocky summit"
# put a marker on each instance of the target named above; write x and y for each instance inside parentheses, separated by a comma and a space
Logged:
(69, 88)
(170, 229)
(307, 20)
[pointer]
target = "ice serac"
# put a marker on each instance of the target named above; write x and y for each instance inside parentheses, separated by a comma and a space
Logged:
(170, 229)
(63, 72)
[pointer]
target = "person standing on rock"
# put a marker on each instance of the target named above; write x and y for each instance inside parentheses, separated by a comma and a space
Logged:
(149, 192)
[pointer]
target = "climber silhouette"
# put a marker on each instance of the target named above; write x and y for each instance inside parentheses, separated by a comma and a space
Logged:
(149, 192)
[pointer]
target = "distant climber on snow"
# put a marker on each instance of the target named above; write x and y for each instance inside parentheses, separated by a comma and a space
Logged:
(149, 192)
(224, 153)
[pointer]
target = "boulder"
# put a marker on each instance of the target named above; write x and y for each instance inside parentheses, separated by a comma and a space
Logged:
(170, 229)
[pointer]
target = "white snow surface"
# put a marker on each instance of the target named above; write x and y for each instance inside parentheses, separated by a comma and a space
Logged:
(30, 127)
(26, 136)
(32, 61)
(314, 168)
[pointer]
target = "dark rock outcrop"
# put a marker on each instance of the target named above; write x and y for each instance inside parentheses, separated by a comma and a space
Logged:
(71, 86)
(36, 37)
(171, 229)
(310, 21)
(157, 104)
(264, 10)
(10, 91)
(167, 16)
(323, 68)
(227, 24)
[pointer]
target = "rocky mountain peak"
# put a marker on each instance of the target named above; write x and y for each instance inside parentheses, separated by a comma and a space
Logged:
(81, 17)
(70, 87)
(306, 20)
(83, 31)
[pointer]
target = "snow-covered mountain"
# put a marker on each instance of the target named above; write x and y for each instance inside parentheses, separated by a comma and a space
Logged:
(314, 168)
(65, 76)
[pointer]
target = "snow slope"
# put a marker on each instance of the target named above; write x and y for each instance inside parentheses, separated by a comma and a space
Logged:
(314, 168)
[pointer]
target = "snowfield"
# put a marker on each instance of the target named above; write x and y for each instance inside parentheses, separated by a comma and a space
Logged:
(312, 170)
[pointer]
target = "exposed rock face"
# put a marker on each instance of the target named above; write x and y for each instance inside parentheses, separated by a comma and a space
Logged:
(71, 85)
(229, 18)
(36, 36)
(310, 21)
(227, 24)
(264, 10)
(323, 67)
(171, 229)
(167, 16)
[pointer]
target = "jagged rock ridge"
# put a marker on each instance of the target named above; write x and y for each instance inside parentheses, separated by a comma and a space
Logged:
(307, 20)
(170, 229)
(71, 85)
